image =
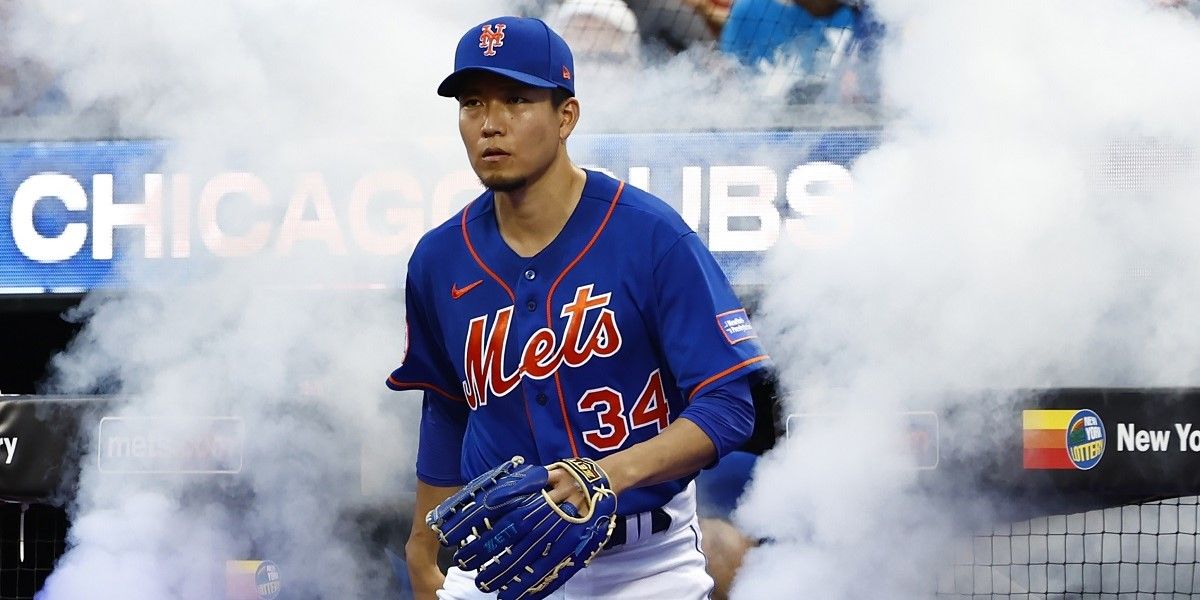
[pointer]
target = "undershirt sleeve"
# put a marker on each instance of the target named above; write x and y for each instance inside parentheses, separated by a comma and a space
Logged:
(439, 451)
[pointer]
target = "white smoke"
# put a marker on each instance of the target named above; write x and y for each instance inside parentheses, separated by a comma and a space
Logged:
(1029, 220)
(991, 250)
(314, 118)
(296, 112)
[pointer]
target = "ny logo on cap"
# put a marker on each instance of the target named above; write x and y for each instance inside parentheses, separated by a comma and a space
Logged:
(491, 38)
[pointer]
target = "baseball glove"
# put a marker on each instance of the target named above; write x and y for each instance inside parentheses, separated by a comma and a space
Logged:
(504, 524)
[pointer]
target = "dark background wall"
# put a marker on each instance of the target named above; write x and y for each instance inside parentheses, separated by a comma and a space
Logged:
(33, 330)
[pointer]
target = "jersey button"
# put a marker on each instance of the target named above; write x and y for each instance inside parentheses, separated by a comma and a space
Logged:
(530, 274)
(541, 398)
(531, 305)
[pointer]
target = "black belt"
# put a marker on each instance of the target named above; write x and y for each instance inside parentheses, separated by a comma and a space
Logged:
(660, 521)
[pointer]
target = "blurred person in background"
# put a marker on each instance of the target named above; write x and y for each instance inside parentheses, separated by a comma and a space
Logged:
(27, 88)
(1190, 7)
(815, 42)
(671, 26)
(714, 12)
(666, 27)
(603, 33)
(718, 490)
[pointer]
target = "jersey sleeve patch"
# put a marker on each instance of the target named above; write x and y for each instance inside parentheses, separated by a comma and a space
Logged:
(735, 324)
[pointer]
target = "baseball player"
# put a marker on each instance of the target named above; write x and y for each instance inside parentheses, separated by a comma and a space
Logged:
(562, 315)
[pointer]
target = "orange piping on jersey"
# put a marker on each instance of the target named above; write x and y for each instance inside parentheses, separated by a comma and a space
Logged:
(479, 261)
(511, 295)
(562, 402)
(429, 386)
(748, 361)
(566, 418)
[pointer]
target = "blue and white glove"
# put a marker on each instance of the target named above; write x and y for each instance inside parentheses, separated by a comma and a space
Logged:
(524, 545)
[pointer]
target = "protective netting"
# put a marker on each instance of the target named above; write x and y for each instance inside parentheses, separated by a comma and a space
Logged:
(32, 538)
(1144, 550)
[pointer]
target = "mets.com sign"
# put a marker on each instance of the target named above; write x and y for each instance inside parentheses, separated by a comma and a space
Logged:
(70, 210)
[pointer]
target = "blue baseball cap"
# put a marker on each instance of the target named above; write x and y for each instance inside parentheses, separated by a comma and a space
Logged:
(526, 50)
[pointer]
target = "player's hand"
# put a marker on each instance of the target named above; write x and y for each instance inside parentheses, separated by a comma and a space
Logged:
(426, 581)
(564, 487)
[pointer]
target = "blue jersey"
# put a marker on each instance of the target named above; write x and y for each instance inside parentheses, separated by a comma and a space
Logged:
(596, 343)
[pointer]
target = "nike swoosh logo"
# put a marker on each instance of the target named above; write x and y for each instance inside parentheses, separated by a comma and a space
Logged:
(457, 292)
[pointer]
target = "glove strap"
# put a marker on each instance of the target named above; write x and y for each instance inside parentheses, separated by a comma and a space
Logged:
(590, 478)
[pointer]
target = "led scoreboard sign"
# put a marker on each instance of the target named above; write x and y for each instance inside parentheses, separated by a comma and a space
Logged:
(70, 211)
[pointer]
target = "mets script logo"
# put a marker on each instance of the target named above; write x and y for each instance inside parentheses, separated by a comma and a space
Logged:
(491, 38)
(544, 353)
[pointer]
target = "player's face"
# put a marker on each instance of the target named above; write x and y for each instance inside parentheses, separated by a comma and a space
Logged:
(511, 131)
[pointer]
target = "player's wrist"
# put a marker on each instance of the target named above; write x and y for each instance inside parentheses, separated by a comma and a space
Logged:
(619, 471)
(421, 551)
(426, 580)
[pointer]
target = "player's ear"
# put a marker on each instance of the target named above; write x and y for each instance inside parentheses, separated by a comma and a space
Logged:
(568, 117)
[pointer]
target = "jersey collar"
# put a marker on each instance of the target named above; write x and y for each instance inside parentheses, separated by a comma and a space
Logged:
(484, 233)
